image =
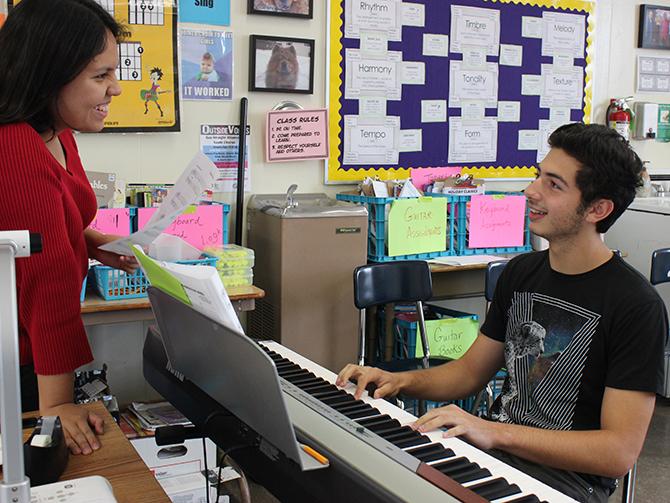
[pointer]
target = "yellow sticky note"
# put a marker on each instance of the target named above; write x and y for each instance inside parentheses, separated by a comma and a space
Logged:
(448, 337)
(417, 225)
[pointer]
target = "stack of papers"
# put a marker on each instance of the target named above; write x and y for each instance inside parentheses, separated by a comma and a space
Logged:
(466, 260)
(155, 415)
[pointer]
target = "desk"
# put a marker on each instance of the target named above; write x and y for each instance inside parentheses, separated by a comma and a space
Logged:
(116, 330)
(118, 462)
(461, 280)
(97, 311)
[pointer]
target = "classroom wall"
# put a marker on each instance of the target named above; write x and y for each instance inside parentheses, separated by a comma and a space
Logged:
(160, 157)
(616, 68)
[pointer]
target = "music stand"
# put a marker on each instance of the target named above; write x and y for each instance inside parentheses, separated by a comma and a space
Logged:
(232, 369)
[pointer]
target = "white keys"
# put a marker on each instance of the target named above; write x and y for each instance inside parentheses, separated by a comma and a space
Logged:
(526, 483)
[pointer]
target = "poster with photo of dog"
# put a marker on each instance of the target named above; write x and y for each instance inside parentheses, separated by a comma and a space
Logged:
(291, 8)
(281, 65)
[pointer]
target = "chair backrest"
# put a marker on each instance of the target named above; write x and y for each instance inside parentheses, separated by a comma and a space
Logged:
(493, 272)
(403, 281)
(660, 266)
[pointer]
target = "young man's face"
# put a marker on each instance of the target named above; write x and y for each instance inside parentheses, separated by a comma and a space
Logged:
(554, 198)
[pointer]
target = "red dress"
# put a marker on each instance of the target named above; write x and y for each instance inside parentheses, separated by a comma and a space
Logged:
(38, 195)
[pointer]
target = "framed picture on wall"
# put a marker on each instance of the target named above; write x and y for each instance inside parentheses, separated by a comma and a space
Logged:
(292, 8)
(281, 65)
(654, 32)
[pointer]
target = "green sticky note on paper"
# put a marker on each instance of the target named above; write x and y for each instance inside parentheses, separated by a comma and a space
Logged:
(448, 337)
(417, 225)
(159, 277)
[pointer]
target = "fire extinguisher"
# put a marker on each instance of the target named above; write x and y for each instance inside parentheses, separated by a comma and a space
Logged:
(620, 116)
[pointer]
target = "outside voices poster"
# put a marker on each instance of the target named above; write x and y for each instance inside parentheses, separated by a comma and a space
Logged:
(207, 64)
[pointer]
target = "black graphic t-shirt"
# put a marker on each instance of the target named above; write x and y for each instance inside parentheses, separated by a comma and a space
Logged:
(567, 337)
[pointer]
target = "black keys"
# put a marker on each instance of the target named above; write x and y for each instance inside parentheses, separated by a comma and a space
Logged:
(495, 489)
(431, 452)
(531, 498)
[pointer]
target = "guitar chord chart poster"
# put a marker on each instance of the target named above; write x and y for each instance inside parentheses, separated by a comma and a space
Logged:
(472, 83)
(148, 67)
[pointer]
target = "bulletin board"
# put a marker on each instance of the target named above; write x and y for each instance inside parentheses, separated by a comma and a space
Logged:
(148, 67)
(424, 113)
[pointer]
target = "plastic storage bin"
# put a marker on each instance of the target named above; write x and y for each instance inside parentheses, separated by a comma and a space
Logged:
(82, 295)
(240, 279)
(378, 228)
(114, 284)
(406, 327)
(461, 227)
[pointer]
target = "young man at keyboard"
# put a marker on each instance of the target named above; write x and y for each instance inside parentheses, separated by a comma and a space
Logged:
(580, 333)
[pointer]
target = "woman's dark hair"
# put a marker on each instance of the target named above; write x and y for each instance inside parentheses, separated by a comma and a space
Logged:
(610, 169)
(44, 45)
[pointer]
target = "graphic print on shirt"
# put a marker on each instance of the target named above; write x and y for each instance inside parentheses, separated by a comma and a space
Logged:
(546, 345)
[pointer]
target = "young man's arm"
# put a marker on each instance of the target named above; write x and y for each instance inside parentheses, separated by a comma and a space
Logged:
(609, 452)
(457, 379)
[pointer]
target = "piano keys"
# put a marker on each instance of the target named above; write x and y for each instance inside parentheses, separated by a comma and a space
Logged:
(386, 429)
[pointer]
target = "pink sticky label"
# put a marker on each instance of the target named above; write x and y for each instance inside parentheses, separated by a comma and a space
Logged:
(497, 221)
(200, 228)
(112, 221)
(423, 176)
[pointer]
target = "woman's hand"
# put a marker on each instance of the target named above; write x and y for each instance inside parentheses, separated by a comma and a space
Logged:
(95, 239)
(80, 427)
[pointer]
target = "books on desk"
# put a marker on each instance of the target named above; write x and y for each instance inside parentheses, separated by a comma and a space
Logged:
(142, 419)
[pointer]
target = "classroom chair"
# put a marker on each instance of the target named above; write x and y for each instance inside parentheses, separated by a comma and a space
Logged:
(389, 283)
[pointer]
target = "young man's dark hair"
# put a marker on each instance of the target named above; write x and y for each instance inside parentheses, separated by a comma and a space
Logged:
(63, 37)
(610, 169)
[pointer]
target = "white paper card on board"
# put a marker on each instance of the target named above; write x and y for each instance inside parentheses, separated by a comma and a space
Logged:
(413, 14)
(384, 16)
(531, 85)
(531, 27)
(372, 106)
(433, 110)
(475, 26)
(374, 43)
(511, 55)
(559, 115)
(435, 44)
(470, 142)
(527, 139)
(410, 140)
(472, 110)
(474, 57)
(563, 61)
(509, 111)
(413, 72)
(563, 33)
(473, 84)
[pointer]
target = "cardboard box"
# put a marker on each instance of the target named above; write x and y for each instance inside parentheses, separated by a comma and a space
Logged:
(174, 460)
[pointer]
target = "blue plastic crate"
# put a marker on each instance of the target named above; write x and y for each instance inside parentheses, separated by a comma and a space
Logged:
(82, 295)
(378, 229)
(114, 284)
(461, 228)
